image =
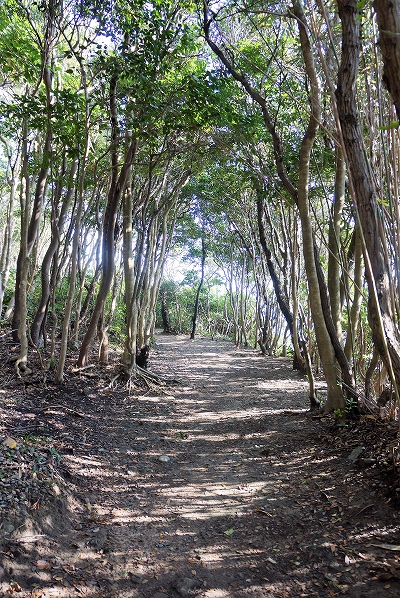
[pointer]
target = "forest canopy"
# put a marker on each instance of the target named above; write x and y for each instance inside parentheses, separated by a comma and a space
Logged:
(252, 144)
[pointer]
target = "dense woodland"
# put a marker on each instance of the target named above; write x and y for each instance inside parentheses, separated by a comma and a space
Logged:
(254, 143)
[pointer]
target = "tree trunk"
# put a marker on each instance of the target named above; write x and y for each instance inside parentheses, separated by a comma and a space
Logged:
(298, 362)
(57, 228)
(196, 303)
(127, 254)
(388, 14)
(335, 398)
(355, 308)
(299, 195)
(108, 251)
(8, 231)
(72, 277)
(33, 230)
(166, 319)
(334, 259)
(34, 224)
(380, 312)
(21, 332)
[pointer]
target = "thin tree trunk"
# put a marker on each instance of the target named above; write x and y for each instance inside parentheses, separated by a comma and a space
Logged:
(355, 309)
(298, 362)
(37, 208)
(196, 303)
(8, 231)
(334, 258)
(335, 398)
(57, 228)
(21, 332)
(33, 230)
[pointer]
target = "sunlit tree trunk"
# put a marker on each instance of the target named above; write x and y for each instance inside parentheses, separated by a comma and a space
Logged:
(334, 258)
(65, 330)
(280, 296)
(335, 398)
(117, 188)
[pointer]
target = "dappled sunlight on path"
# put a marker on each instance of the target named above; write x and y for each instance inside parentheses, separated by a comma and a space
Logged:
(218, 485)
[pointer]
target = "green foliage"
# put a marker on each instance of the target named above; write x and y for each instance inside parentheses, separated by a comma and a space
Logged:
(20, 57)
(180, 297)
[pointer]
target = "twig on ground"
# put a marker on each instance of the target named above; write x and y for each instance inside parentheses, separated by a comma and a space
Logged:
(63, 407)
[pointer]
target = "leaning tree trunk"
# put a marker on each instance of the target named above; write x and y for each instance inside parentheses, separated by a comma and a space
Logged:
(380, 311)
(298, 361)
(108, 254)
(356, 304)
(8, 231)
(47, 74)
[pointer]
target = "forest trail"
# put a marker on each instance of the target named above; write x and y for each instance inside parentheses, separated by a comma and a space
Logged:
(219, 485)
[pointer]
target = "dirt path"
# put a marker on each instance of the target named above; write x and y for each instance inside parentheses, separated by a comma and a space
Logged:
(219, 486)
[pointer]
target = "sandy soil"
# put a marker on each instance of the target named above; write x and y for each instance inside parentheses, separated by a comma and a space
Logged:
(219, 484)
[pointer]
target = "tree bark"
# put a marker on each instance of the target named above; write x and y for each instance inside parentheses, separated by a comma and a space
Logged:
(388, 15)
(33, 230)
(380, 311)
(108, 253)
(21, 331)
(335, 398)
(334, 259)
(57, 227)
(108, 250)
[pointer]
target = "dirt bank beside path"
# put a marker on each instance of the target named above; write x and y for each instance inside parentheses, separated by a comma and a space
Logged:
(220, 485)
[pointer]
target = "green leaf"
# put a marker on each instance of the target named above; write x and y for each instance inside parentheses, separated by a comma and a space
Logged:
(393, 125)
(229, 532)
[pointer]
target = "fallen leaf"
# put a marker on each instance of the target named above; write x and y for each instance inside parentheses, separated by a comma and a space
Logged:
(229, 532)
(10, 443)
(42, 564)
